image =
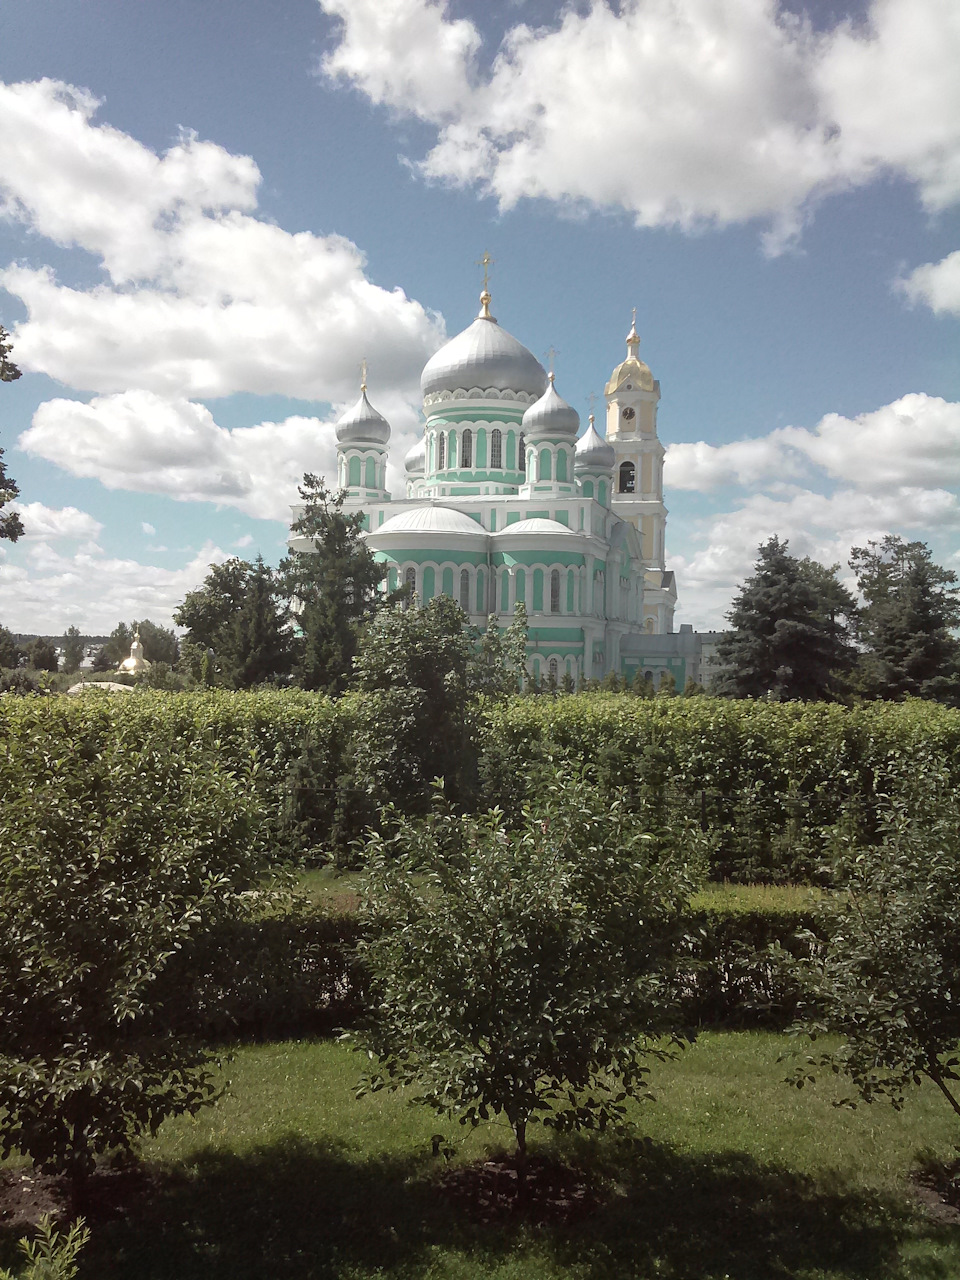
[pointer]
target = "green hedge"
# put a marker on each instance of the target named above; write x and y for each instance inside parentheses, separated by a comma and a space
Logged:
(764, 779)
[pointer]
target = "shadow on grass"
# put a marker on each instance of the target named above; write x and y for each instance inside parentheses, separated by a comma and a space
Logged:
(298, 1210)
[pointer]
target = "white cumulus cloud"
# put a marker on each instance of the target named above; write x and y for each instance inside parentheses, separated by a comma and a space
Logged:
(680, 112)
(201, 297)
(41, 522)
(937, 284)
(46, 591)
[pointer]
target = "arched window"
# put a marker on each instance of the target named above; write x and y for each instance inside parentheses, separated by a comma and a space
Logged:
(410, 581)
(465, 590)
(561, 464)
(496, 448)
(553, 670)
(466, 448)
(628, 477)
(354, 473)
(555, 591)
(441, 451)
(371, 473)
(521, 454)
(543, 458)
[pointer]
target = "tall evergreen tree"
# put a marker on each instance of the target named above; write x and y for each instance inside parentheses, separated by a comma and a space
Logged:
(72, 649)
(910, 606)
(785, 640)
(259, 645)
(237, 615)
(334, 584)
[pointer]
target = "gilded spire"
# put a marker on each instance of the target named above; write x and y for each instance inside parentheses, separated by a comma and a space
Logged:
(363, 375)
(633, 339)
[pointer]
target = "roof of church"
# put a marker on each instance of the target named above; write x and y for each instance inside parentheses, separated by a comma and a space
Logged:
(362, 424)
(416, 459)
(483, 357)
(593, 452)
(430, 520)
(550, 416)
(536, 525)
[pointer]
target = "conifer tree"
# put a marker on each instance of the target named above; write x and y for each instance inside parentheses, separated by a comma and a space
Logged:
(72, 649)
(910, 606)
(335, 585)
(260, 647)
(784, 643)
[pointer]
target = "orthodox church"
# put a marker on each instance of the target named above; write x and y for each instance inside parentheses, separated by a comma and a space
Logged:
(506, 503)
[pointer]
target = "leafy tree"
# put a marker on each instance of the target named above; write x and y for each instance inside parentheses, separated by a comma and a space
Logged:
(335, 586)
(8, 370)
(102, 660)
(126, 847)
(887, 980)
(42, 655)
(238, 614)
(785, 641)
(260, 643)
(11, 526)
(496, 665)
(72, 649)
(117, 646)
(509, 973)
(10, 651)
(417, 725)
(910, 606)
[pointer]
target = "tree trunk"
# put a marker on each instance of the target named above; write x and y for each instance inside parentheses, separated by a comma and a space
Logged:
(520, 1129)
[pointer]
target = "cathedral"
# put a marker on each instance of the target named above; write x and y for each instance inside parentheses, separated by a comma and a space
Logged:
(506, 502)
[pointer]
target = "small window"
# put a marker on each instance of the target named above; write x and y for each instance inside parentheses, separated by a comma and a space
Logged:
(628, 477)
(553, 669)
(522, 455)
(466, 448)
(496, 448)
(465, 590)
(410, 581)
(441, 451)
(555, 591)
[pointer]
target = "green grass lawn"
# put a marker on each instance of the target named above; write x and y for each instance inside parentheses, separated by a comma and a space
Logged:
(735, 1175)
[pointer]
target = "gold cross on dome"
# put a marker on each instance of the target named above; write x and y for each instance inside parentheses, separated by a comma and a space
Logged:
(551, 354)
(486, 262)
(592, 398)
(363, 374)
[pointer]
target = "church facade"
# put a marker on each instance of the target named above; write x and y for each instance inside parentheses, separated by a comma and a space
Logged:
(506, 502)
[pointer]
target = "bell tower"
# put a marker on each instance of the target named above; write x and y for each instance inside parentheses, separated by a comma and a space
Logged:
(632, 396)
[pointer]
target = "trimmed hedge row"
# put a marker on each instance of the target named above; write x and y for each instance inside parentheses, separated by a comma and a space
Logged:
(765, 780)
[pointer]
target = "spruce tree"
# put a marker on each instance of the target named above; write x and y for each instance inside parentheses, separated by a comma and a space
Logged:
(259, 648)
(335, 585)
(910, 606)
(785, 642)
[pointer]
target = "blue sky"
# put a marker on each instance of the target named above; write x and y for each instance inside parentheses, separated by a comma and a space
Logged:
(210, 214)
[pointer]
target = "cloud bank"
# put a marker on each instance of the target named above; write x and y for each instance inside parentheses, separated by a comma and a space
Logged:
(679, 112)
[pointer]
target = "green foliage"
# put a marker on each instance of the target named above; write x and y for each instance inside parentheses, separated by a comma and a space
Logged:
(239, 616)
(414, 722)
(785, 640)
(887, 981)
(509, 976)
(10, 652)
(52, 1255)
(495, 667)
(911, 604)
(335, 585)
(72, 650)
(43, 655)
(122, 840)
(11, 526)
(101, 660)
(8, 370)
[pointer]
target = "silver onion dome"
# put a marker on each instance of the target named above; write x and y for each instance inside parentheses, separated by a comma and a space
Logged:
(550, 416)
(361, 424)
(416, 460)
(593, 452)
(483, 358)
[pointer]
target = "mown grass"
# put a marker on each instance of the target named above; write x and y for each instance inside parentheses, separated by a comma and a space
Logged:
(736, 1175)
